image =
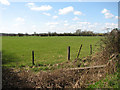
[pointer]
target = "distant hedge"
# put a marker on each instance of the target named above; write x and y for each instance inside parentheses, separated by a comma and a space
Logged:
(83, 33)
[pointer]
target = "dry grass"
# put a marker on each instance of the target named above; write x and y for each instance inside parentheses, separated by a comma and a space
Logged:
(59, 78)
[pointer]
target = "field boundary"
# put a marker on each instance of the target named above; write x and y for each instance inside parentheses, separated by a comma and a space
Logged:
(98, 66)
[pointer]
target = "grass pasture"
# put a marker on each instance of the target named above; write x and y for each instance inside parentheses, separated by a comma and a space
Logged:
(17, 51)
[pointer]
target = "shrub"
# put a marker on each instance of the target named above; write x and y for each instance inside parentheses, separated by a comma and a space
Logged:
(111, 42)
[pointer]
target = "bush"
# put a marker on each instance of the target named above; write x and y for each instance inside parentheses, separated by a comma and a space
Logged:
(111, 42)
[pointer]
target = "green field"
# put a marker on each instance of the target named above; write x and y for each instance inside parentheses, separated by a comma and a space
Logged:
(17, 51)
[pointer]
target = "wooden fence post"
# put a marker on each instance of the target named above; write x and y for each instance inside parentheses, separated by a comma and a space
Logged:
(79, 51)
(90, 49)
(33, 58)
(68, 52)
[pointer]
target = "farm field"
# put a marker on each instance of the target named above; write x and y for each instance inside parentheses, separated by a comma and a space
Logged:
(17, 51)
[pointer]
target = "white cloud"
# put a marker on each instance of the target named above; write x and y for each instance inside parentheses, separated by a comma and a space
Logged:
(19, 19)
(107, 14)
(83, 26)
(66, 24)
(42, 8)
(104, 11)
(66, 10)
(75, 18)
(107, 27)
(111, 25)
(91, 26)
(34, 27)
(32, 6)
(47, 14)
(15, 24)
(84, 23)
(5, 2)
(77, 13)
(54, 17)
(52, 26)
(97, 24)
(65, 21)
(52, 23)
(116, 17)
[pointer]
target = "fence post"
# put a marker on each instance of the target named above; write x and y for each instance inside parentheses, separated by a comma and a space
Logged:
(33, 58)
(79, 51)
(68, 52)
(90, 49)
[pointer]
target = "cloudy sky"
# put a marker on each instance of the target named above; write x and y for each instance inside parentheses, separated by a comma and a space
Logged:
(60, 17)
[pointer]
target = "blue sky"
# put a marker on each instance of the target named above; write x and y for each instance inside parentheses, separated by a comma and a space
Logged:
(60, 17)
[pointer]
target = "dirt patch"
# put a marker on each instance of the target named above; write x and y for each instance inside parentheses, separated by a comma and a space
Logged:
(13, 79)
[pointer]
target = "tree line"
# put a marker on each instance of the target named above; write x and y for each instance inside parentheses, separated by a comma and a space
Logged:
(76, 33)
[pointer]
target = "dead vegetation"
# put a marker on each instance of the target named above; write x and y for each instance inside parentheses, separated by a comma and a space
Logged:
(65, 77)
(56, 79)
(61, 78)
